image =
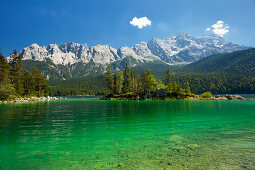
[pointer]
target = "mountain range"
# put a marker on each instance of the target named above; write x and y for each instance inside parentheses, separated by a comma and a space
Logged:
(69, 60)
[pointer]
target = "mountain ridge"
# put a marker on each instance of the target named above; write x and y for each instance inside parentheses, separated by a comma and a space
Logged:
(238, 62)
(180, 48)
(73, 60)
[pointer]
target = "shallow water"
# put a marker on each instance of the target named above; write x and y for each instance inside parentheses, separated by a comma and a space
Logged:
(93, 134)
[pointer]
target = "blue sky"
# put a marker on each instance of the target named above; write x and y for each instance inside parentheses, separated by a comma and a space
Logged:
(92, 22)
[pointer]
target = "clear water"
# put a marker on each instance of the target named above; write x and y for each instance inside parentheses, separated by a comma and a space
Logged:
(92, 134)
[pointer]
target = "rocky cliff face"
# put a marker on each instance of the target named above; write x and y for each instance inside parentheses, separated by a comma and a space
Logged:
(70, 53)
(180, 48)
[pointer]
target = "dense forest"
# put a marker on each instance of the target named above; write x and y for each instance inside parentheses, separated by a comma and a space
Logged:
(129, 85)
(91, 85)
(230, 73)
(217, 83)
(17, 82)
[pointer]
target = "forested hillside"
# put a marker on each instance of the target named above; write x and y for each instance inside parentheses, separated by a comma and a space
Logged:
(239, 62)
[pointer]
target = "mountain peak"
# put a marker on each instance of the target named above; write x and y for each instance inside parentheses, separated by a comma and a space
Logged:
(180, 34)
(34, 45)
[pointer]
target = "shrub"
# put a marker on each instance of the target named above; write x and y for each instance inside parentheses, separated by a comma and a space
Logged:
(207, 95)
(6, 92)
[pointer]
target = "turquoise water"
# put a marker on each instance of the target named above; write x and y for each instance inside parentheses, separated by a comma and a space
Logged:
(93, 134)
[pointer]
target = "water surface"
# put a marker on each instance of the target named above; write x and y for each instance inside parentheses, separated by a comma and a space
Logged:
(93, 134)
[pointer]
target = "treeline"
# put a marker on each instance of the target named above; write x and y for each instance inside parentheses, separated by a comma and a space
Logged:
(16, 82)
(90, 85)
(217, 83)
(129, 84)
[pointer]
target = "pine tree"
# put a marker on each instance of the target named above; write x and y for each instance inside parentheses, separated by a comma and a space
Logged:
(41, 85)
(109, 79)
(29, 84)
(115, 81)
(4, 71)
(174, 86)
(120, 82)
(16, 67)
(168, 83)
(187, 88)
(134, 81)
(17, 72)
(148, 83)
(179, 90)
(6, 89)
(19, 87)
(127, 80)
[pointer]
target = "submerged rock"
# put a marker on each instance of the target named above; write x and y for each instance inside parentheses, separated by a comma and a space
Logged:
(180, 149)
(193, 146)
(175, 139)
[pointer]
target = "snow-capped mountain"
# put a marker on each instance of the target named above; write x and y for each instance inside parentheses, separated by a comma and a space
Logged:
(181, 48)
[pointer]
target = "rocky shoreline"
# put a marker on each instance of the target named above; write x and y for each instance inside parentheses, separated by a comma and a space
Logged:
(32, 99)
(219, 97)
(194, 97)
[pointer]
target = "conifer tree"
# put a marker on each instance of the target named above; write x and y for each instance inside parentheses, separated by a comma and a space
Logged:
(115, 81)
(19, 87)
(4, 71)
(6, 89)
(41, 85)
(16, 68)
(187, 88)
(16, 72)
(29, 84)
(148, 82)
(134, 81)
(109, 79)
(174, 86)
(168, 83)
(120, 79)
(127, 80)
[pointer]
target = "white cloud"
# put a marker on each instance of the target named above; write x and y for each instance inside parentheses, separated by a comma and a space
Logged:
(219, 28)
(140, 22)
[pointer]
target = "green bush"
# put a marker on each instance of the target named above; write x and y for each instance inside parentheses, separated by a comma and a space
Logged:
(207, 95)
(6, 92)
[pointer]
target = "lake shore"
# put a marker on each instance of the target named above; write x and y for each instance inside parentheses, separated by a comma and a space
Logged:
(193, 98)
(32, 99)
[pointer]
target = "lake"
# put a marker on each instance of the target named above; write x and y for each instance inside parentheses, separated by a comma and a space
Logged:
(94, 134)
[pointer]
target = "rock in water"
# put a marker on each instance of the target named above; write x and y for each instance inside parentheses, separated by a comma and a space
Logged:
(175, 139)
(193, 146)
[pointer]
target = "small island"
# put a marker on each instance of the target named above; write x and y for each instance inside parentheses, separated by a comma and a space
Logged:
(128, 85)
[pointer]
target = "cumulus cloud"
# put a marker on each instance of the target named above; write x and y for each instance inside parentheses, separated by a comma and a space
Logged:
(140, 22)
(220, 28)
